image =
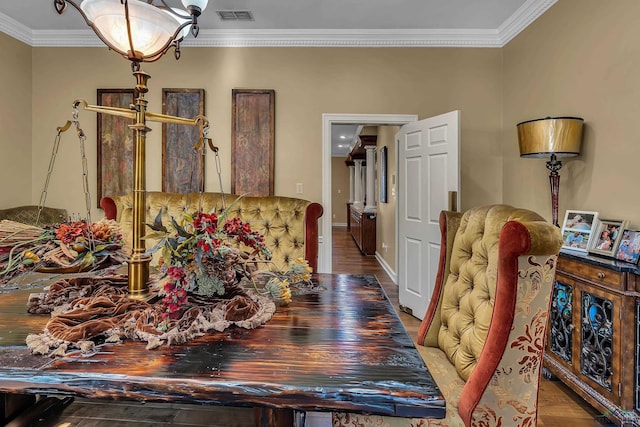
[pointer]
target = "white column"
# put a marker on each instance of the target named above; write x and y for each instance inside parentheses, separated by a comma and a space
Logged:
(371, 178)
(351, 182)
(357, 186)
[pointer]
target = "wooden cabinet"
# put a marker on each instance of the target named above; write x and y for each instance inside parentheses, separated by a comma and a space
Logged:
(363, 230)
(592, 343)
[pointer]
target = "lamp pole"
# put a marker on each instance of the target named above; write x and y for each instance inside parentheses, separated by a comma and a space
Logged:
(554, 166)
(138, 266)
(139, 263)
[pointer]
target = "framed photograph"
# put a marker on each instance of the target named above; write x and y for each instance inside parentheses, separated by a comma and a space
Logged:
(383, 174)
(182, 164)
(629, 247)
(115, 145)
(253, 141)
(607, 236)
(577, 230)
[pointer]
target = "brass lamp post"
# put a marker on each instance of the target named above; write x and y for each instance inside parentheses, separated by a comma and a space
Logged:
(551, 137)
(141, 32)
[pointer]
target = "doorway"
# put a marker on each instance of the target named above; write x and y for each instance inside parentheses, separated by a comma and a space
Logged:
(324, 259)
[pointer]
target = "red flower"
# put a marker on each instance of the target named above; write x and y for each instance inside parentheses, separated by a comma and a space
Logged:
(68, 232)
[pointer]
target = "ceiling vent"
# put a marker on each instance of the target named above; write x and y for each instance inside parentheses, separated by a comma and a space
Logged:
(235, 15)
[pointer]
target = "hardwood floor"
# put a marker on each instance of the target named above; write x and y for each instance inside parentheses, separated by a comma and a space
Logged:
(558, 405)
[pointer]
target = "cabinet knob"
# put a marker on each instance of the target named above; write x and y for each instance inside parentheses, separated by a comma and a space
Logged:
(601, 275)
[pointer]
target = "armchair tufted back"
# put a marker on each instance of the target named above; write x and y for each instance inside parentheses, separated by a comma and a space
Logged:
(286, 223)
(469, 293)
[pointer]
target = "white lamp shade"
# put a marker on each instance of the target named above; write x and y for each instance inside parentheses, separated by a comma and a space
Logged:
(151, 27)
(202, 4)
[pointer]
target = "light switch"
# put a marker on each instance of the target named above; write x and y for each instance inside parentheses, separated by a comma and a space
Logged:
(299, 188)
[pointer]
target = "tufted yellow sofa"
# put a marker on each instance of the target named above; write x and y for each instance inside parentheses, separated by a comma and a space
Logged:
(29, 215)
(484, 332)
(289, 225)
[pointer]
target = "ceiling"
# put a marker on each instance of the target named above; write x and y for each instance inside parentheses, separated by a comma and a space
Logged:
(321, 23)
(374, 23)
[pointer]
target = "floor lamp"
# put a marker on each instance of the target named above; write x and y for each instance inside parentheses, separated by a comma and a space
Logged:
(140, 31)
(552, 137)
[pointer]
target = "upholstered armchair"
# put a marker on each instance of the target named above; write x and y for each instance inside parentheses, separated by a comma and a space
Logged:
(483, 335)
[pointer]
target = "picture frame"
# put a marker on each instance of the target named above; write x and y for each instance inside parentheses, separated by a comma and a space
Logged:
(629, 247)
(115, 145)
(182, 164)
(607, 236)
(253, 141)
(577, 230)
(383, 174)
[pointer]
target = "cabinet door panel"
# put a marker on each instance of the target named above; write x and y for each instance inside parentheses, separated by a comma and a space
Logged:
(599, 336)
(561, 320)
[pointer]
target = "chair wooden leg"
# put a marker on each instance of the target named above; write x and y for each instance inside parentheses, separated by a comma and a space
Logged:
(268, 417)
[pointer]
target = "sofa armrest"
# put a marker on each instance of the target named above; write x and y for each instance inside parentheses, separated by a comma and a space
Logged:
(109, 206)
(312, 215)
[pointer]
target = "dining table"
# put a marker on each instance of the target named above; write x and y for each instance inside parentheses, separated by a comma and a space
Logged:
(338, 346)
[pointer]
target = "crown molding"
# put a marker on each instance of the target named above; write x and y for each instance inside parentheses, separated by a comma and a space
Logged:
(13, 28)
(522, 18)
(497, 38)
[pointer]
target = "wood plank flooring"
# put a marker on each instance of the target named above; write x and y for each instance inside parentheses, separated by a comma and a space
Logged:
(559, 406)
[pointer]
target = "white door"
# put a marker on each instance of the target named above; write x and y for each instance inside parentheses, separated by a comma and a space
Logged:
(428, 183)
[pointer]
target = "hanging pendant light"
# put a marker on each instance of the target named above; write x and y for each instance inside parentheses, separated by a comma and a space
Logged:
(141, 31)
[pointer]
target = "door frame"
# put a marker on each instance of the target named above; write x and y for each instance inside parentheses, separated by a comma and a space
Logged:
(328, 119)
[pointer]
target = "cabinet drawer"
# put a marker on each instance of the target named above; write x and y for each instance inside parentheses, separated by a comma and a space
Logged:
(600, 275)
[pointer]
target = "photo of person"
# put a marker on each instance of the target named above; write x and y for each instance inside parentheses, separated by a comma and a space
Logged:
(575, 239)
(629, 248)
(579, 221)
(607, 237)
(577, 230)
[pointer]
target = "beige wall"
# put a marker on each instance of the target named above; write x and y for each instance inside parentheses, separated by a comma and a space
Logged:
(15, 124)
(308, 82)
(581, 58)
(386, 221)
(339, 191)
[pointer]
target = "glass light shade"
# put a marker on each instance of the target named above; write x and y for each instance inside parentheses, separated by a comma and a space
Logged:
(540, 138)
(202, 4)
(185, 31)
(151, 27)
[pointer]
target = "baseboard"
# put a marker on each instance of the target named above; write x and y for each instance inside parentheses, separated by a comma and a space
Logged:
(386, 268)
(339, 224)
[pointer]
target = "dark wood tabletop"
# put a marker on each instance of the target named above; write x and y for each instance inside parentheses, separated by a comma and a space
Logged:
(337, 347)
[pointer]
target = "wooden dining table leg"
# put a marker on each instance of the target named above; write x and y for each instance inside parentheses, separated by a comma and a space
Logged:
(273, 417)
(13, 404)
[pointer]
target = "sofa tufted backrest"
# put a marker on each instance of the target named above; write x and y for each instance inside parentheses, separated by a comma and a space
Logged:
(281, 220)
(469, 292)
(29, 215)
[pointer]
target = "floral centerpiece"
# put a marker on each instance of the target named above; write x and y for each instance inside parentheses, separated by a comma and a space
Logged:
(215, 272)
(71, 246)
(212, 256)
